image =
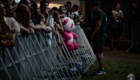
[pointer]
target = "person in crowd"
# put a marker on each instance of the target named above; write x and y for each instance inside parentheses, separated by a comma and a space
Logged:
(11, 13)
(62, 12)
(118, 17)
(76, 13)
(81, 19)
(15, 4)
(134, 17)
(7, 28)
(98, 35)
(68, 7)
(44, 10)
(134, 14)
(30, 21)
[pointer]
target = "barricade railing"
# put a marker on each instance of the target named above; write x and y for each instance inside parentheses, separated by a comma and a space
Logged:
(135, 36)
(33, 59)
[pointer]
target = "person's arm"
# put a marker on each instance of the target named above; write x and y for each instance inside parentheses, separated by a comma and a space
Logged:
(23, 29)
(27, 21)
(97, 27)
(41, 27)
(47, 18)
(120, 15)
(114, 16)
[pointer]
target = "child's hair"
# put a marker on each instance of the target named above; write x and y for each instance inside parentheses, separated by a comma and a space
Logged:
(75, 7)
(21, 7)
(62, 8)
(34, 6)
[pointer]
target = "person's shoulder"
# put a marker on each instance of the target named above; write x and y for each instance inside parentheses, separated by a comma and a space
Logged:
(113, 11)
(10, 19)
(102, 12)
(120, 11)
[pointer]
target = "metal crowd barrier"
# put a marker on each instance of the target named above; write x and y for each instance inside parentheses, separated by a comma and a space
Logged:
(135, 36)
(33, 59)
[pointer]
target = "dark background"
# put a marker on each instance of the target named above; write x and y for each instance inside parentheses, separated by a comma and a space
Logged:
(107, 7)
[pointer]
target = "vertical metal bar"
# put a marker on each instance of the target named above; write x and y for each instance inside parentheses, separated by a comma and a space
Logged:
(5, 68)
(57, 62)
(13, 64)
(60, 54)
(34, 59)
(62, 57)
(21, 63)
(70, 58)
(50, 56)
(44, 56)
(39, 56)
(131, 39)
(27, 58)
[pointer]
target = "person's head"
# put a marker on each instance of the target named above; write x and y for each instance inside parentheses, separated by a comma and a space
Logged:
(134, 5)
(117, 6)
(62, 10)
(54, 9)
(33, 1)
(9, 10)
(75, 8)
(36, 9)
(2, 10)
(26, 2)
(44, 5)
(96, 6)
(21, 12)
(42, 18)
(68, 4)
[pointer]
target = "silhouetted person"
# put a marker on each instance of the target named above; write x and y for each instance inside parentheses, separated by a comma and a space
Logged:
(98, 35)
(117, 16)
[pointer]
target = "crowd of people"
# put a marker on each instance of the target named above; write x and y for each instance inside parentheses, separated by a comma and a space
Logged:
(27, 17)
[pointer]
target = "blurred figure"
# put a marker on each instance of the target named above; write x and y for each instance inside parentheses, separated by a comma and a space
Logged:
(117, 16)
(7, 28)
(98, 35)
(68, 7)
(134, 17)
(76, 14)
(135, 13)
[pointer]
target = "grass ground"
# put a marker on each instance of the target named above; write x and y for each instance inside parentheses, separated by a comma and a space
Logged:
(116, 70)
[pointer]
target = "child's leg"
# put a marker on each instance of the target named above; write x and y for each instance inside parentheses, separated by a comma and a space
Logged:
(58, 40)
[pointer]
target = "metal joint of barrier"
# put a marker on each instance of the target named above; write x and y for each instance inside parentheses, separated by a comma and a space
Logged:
(32, 59)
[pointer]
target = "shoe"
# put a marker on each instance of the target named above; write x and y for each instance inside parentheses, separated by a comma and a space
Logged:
(100, 72)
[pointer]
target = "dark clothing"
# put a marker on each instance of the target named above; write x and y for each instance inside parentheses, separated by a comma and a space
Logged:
(35, 19)
(100, 16)
(117, 31)
(55, 17)
(69, 11)
(98, 42)
(100, 36)
(134, 15)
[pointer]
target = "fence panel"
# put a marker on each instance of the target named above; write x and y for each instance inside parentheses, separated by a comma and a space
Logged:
(33, 59)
